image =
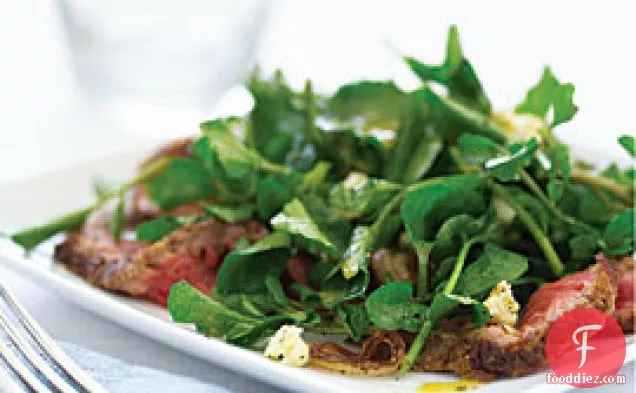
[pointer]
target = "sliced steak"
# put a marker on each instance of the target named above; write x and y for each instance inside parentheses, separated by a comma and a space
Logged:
(190, 253)
(624, 313)
(380, 355)
(103, 263)
(193, 253)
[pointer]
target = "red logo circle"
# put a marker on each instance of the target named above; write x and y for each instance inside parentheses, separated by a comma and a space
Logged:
(584, 347)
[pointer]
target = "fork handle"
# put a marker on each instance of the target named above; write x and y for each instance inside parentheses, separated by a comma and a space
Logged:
(70, 368)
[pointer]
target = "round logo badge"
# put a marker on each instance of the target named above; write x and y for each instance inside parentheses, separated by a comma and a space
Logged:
(584, 347)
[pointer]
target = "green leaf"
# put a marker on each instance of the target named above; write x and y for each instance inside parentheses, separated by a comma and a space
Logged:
(228, 189)
(584, 247)
(29, 238)
(613, 172)
(356, 258)
(387, 231)
(380, 104)
(392, 307)
(274, 192)
(275, 120)
(443, 304)
(282, 123)
(583, 202)
(295, 221)
(491, 267)
(349, 151)
(507, 168)
(354, 319)
(549, 93)
(424, 155)
(560, 165)
(335, 227)
(231, 214)
(255, 305)
(441, 73)
(316, 176)
(184, 180)
(361, 197)
(355, 262)
(417, 145)
(443, 270)
(187, 304)
(477, 149)
(157, 228)
(456, 73)
(328, 298)
(532, 205)
(211, 317)
(427, 204)
(457, 229)
(245, 270)
(628, 142)
(275, 289)
(619, 234)
(237, 159)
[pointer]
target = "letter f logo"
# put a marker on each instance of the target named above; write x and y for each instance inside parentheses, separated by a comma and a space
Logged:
(584, 347)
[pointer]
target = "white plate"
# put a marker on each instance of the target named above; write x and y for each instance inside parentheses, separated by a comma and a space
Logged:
(154, 322)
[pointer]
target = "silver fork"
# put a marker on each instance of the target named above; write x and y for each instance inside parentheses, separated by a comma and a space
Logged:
(29, 363)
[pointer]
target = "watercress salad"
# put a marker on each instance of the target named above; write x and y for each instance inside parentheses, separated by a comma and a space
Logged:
(479, 196)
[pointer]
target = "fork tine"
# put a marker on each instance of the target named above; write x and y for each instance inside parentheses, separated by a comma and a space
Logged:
(70, 368)
(7, 384)
(21, 370)
(36, 361)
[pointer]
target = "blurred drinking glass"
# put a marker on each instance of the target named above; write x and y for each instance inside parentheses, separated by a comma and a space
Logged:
(158, 66)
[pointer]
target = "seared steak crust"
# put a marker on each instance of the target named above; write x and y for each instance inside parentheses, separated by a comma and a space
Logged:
(380, 355)
(103, 263)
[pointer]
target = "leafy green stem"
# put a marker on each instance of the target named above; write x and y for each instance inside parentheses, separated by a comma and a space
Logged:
(416, 346)
(314, 134)
(327, 329)
(538, 192)
(423, 250)
(272, 167)
(542, 240)
(385, 213)
(29, 238)
(459, 264)
(481, 123)
(625, 194)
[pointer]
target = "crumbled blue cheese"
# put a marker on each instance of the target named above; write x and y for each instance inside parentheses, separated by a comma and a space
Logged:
(355, 180)
(288, 347)
(501, 304)
(350, 268)
(519, 127)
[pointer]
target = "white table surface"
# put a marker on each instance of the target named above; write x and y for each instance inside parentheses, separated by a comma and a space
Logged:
(39, 132)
